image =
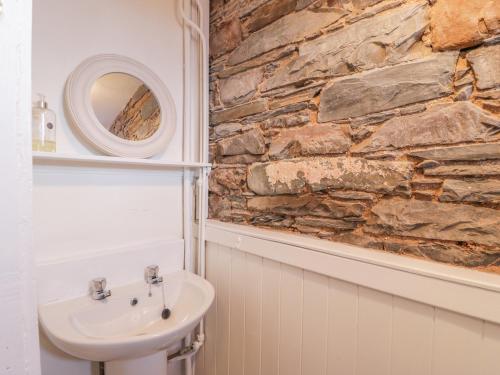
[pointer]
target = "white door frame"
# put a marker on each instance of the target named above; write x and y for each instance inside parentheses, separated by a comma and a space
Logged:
(19, 345)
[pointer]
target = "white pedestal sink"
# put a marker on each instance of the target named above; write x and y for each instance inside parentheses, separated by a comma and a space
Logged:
(131, 339)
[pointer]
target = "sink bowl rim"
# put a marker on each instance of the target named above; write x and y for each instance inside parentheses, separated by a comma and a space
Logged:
(77, 339)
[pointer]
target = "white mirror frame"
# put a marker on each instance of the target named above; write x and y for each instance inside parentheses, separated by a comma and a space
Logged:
(79, 107)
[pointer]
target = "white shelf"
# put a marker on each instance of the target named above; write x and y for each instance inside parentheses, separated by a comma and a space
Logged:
(62, 159)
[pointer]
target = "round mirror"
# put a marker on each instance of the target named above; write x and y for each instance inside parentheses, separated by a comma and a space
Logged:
(125, 106)
(120, 106)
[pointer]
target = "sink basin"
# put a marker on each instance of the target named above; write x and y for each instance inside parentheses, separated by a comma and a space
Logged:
(117, 329)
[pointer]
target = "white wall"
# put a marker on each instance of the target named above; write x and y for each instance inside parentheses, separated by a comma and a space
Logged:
(272, 317)
(67, 32)
(98, 214)
(18, 324)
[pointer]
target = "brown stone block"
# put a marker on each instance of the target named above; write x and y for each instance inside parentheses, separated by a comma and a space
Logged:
(222, 180)
(457, 24)
(250, 142)
(298, 175)
(314, 222)
(310, 140)
(225, 37)
(464, 170)
(473, 152)
(479, 191)
(238, 112)
(307, 205)
(268, 13)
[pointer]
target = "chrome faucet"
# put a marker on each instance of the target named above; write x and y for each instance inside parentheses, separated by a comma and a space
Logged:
(98, 289)
(151, 275)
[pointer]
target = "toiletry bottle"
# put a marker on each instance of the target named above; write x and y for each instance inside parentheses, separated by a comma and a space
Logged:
(43, 127)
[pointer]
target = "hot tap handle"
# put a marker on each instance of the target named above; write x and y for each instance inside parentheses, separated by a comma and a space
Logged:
(151, 274)
(98, 284)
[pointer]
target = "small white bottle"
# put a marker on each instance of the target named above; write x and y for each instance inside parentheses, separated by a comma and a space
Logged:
(43, 127)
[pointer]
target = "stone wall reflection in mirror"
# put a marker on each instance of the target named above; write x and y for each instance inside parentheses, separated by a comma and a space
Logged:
(125, 106)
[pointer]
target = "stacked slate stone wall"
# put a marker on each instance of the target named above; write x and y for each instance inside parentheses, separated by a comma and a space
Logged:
(140, 118)
(369, 122)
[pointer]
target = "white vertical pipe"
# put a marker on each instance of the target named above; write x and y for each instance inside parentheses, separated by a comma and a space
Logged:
(186, 154)
(203, 146)
(204, 124)
(187, 136)
(203, 151)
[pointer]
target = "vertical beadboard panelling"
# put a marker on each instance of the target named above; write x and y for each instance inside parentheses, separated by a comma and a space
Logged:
(210, 319)
(223, 271)
(490, 352)
(374, 333)
(237, 314)
(342, 327)
(457, 339)
(253, 313)
(315, 321)
(270, 317)
(412, 332)
(290, 337)
(273, 319)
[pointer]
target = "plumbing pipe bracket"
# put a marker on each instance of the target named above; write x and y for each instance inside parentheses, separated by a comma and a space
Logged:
(188, 351)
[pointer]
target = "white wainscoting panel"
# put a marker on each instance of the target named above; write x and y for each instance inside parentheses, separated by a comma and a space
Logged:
(253, 313)
(412, 339)
(270, 316)
(273, 318)
(342, 326)
(315, 324)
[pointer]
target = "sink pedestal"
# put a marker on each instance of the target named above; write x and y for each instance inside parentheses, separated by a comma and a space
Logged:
(155, 364)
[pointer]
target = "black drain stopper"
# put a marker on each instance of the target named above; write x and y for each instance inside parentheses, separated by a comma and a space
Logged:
(165, 314)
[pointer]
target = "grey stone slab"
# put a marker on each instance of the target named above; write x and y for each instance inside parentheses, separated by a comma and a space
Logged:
(441, 221)
(286, 30)
(442, 124)
(388, 88)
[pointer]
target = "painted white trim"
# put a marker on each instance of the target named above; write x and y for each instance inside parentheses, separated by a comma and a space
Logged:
(19, 343)
(77, 97)
(457, 289)
(58, 159)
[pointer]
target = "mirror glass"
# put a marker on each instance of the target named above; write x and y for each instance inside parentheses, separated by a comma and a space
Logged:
(125, 106)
